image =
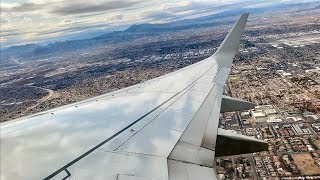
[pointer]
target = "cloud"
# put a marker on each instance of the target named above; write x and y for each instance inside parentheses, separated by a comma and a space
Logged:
(171, 12)
(161, 15)
(11, 32)
(24, 7)
(74, 29)
(61, 7)
(5, 6)
(83, 8)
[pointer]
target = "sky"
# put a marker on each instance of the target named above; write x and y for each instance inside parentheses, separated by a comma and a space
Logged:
(38, 21)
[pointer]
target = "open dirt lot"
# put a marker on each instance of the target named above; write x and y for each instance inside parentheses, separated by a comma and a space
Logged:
(306, 164)
(301, 40)
(317, 143)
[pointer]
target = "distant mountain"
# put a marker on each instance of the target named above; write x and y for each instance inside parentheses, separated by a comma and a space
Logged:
(106, 39)
(169, 27)
(18, 51)
(26, 47)
(312, 6)
(317, 7)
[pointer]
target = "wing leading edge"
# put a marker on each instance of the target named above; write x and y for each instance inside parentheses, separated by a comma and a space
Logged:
(166, 128)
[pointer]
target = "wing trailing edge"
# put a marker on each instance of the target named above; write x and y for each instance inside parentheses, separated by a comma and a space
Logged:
(230, 143)
(230, 104)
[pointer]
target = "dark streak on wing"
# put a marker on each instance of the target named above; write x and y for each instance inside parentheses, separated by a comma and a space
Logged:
(105, 141)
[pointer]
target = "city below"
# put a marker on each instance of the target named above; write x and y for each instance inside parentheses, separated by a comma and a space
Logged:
(277, 68)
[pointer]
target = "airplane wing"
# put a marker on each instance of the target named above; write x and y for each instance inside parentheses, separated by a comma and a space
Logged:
(163, 129)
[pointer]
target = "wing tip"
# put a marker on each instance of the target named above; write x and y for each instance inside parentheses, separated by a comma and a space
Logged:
(230, 45)
(245, 15)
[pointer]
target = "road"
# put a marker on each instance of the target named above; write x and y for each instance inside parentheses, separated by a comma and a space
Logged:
(45, 98)
(251, 160)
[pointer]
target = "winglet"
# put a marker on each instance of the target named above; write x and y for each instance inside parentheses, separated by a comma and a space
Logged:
(230, 45)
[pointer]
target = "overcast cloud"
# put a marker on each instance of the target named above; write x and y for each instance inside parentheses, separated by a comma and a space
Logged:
(24, 21)
(84, 8)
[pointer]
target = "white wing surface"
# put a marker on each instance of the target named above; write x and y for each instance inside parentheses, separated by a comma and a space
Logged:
(165, 128)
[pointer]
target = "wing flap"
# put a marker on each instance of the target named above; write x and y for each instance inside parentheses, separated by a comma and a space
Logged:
(186, 171)
(196, 129)
(189, 153)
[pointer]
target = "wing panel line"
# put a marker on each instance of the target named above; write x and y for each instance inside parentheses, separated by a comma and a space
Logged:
(105, 141)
